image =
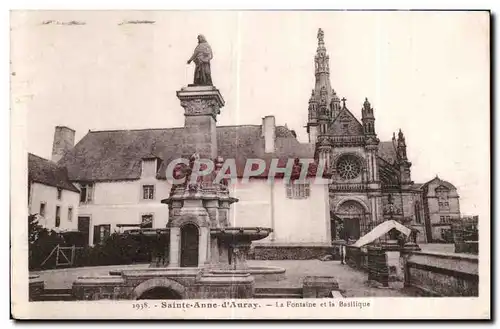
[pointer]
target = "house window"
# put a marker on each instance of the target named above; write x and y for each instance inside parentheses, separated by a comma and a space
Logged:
(444, 205)
(148, 192)
(442, 219)
(59, 193)
(42, 209)
(70, 214)
(147, 221)
(86, 193)
(58, 216)
(298, 190)
(101, 232)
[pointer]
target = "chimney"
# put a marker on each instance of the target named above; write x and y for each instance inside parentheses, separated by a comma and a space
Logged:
(64, 140)
(269, 133)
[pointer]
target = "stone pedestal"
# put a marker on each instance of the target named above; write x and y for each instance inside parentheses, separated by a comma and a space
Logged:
(319, 286)
(201, 104)
(377, 265)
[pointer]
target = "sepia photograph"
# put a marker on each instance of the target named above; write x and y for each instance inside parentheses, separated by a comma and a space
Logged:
(250, 164)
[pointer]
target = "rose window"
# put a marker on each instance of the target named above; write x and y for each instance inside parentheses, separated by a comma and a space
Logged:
(348, 167)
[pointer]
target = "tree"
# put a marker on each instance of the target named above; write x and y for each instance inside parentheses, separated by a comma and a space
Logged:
(41, 242)
(34, 229)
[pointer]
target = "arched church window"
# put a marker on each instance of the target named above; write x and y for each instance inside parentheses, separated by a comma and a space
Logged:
(418, 219)
(348, 167)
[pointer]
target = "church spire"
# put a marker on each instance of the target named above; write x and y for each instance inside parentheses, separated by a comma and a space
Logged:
(324, 104)
(322, 65)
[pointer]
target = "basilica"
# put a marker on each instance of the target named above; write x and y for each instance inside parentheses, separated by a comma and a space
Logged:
(112, 179)
(371, 179)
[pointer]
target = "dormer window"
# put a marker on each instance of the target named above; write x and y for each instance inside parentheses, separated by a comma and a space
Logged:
(86, 193)
(150, 167)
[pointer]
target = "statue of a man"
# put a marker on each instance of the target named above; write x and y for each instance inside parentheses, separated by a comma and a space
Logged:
(201, 57)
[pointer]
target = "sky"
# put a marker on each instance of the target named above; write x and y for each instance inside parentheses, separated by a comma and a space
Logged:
(426, 73)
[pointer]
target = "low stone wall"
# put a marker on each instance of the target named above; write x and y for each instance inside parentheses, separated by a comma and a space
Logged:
(36, 287)
(284, 252)
(357, 258)
(440, 274)
(467, 247)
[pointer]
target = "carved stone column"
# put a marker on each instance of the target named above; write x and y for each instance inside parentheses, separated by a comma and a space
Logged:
(174, 246)
(201, 106)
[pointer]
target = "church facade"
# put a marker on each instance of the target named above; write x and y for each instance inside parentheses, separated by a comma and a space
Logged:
(371, 179)
(121, 175)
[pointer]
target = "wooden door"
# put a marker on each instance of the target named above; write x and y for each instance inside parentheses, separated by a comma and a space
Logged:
(84, 228)
(189, 246)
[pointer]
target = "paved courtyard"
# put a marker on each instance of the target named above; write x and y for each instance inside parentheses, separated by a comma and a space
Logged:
(438, 247)
(351, 282)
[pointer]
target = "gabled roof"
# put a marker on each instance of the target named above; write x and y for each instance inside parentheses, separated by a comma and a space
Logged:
(49, 173)
(439, 182)
(117, 154)
(345, 117)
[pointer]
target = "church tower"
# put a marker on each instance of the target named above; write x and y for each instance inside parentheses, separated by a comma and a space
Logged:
(324, 104)
(404, 164)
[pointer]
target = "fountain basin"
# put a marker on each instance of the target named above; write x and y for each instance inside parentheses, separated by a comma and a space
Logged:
(147, 232)
(240, 234)
(260, 274)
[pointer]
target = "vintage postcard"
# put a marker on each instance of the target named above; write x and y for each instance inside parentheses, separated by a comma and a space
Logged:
(250, 164)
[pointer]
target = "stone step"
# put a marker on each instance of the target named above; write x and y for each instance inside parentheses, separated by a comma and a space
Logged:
(278, 290)
(276, 295)
(56, 297)
(58, 291)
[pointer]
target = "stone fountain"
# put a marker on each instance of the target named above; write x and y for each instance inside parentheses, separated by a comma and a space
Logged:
(198, 254)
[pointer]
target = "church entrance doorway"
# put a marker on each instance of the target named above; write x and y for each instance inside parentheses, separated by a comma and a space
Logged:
(189, 245)
(350, 220)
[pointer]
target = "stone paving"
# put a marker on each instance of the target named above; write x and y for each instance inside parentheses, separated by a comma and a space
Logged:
(438, 247)
(351, 282)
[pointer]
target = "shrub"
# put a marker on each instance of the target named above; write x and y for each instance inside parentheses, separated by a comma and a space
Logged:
(41, 243)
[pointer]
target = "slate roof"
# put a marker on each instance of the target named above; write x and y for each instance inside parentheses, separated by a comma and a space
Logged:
(49, 173)
(116, 154)
(387, 152)
(386, 158)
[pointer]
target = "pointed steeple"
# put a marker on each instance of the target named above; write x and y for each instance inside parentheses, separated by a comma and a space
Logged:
(368, 118)
(322, 65)
(404, 164)
(324, 104)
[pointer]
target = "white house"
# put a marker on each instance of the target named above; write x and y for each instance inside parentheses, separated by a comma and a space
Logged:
(121, 176)
(51, 196)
